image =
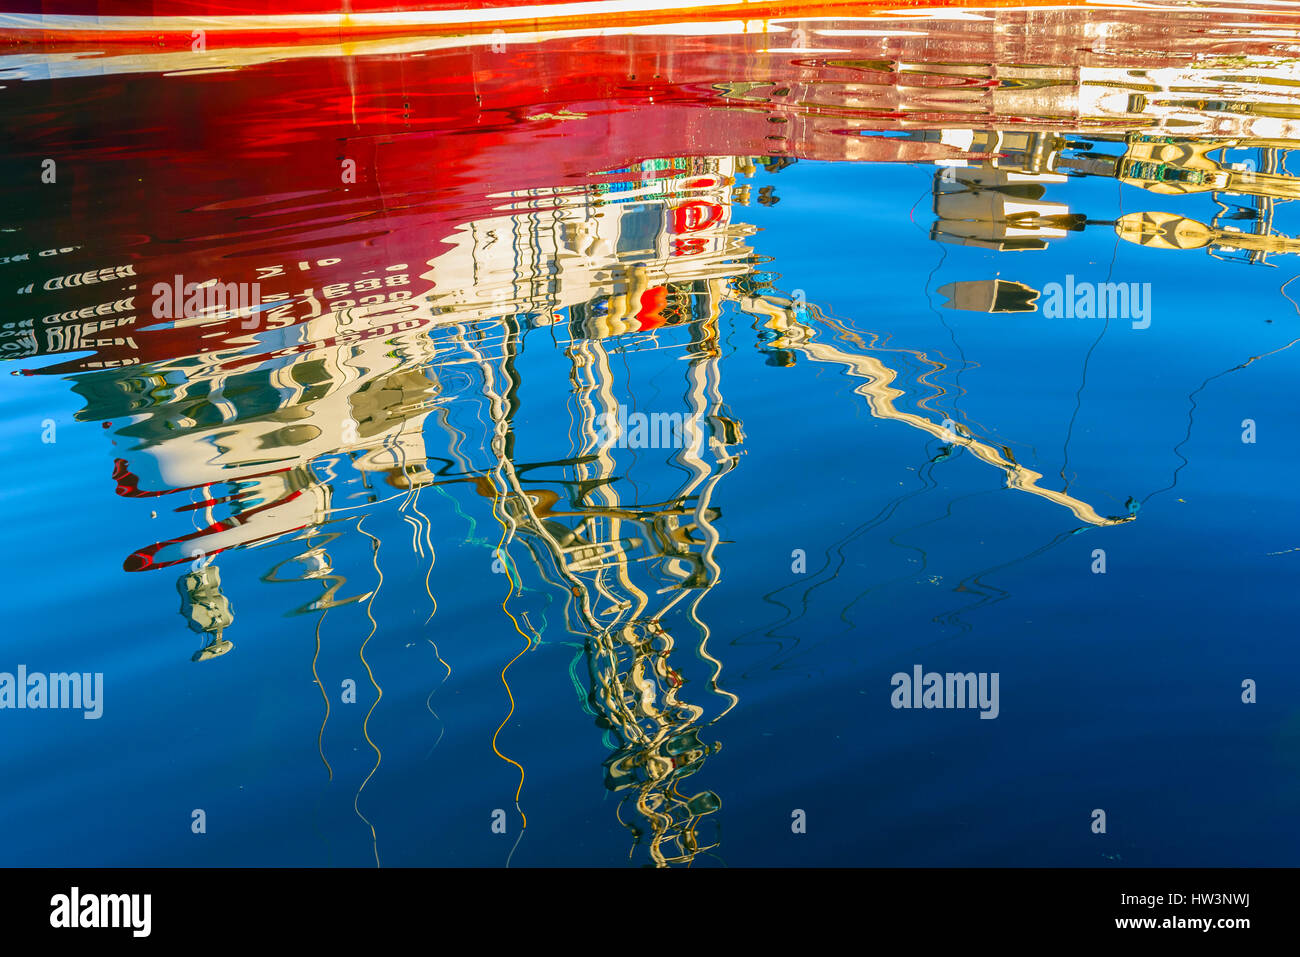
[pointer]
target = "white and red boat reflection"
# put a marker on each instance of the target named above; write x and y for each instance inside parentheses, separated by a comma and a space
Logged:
(308, 176)
(359, 192)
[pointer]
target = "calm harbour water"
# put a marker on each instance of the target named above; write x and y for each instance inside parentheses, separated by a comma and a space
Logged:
(928, 354)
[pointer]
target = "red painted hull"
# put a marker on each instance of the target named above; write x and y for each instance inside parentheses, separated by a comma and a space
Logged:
(439, 138)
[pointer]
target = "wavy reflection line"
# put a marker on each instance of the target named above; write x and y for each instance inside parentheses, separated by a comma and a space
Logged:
(1083, 380)
(885, 513)
(991, 594)
(952, 334)
(365, 724)
(427, 527)
(320, 737)
(1078, 403)
(1191, 412)
(704, 392)
(505, 682)
(928, 483)
(428, 590)
(496, 426)
(428, 702)
(417, 547)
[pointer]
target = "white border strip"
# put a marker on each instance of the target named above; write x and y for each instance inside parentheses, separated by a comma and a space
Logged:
(582, 8)
(308, 21)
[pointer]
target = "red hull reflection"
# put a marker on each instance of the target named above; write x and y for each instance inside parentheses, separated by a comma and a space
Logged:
(337, 183)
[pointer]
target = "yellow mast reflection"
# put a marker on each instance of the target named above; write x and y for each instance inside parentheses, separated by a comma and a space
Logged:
(603, 549)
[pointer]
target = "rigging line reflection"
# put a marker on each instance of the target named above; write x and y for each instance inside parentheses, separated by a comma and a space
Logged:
(1191, 413)
(424, 527)
(820, 578)
(497, 411)
(504, 681)
(925, 477)
(989, 594)
(1083, 375)
(952, 335)
(365, 725)
(320, 737)
(1078, 405)
(428, 701)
